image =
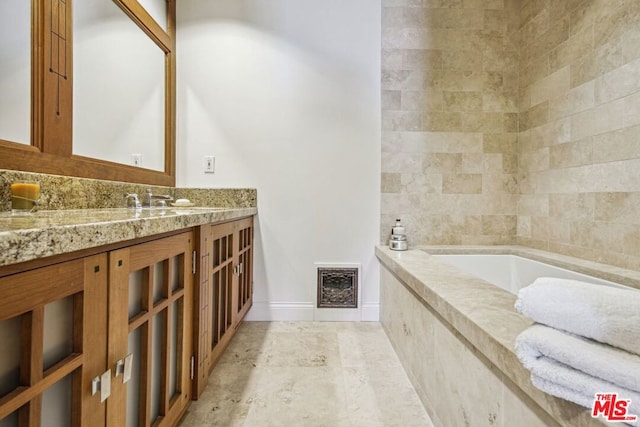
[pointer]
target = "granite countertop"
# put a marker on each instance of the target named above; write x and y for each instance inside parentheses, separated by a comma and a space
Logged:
(25, 237)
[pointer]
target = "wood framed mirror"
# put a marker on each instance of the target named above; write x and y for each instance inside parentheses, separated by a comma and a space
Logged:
(50, 148)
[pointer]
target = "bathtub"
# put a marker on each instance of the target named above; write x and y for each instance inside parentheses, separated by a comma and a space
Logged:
(448, 312)
(512, 272)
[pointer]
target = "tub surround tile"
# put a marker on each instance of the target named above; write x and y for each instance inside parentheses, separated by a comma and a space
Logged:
(552, 88)
(468, 90)
(474, 325)
(617, 207)
(594, 158)
(457, 372)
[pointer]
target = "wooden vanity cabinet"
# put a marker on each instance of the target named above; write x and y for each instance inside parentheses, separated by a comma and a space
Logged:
(224, 294)
(125, 337)
(53, 323)
(67, 324)
(150, 315)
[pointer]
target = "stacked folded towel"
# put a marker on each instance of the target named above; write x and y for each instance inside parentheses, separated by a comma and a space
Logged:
(587, 340)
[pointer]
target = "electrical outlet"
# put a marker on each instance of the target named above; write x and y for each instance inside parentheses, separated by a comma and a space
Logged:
(136, 160)
(209, 164)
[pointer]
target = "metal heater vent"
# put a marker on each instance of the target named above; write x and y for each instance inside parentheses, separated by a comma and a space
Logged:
(337, 288)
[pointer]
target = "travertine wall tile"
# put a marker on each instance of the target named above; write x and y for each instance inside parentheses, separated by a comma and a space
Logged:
(533, 204)
(419, 183)
(401, 162)
(391, 59)
(462, 183)
(524, 226)
(532, 69)
(573, 49)
(579, 206)
(603, 118)
(566, 102)
(571, 154)
(617, 207)
(534, 116)
(560, 8)
(510, 122)
(618, 145)
(596, 62)
(614, 18)
(390, 183)
(486, 5)
(462, 101)
(556, 34)
(451, 136)
(631, 44)
(442, 122)
(583, 156)
(550, 86)
(472, 163)
(620, 82)
(514, 121)
(632, 109)
(429, 100)
(402, 121)
(441, 163)
(405, 3)
(458, 142)
(391, 100)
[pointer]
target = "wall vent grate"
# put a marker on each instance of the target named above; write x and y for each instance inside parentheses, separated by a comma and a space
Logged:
(337, 287)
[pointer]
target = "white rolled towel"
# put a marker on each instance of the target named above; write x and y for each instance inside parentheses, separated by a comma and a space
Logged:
(576, 368)
(604, 313)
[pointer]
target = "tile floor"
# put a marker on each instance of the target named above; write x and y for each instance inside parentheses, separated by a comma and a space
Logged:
(307, 374)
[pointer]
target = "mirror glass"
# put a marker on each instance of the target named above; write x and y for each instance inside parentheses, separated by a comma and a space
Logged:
(158, 11)
(119, 88)
(15, 71)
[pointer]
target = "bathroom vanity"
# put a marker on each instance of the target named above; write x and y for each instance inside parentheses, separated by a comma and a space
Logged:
(117, 316)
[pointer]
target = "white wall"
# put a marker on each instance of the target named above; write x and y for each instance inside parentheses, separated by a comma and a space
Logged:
(286, 95)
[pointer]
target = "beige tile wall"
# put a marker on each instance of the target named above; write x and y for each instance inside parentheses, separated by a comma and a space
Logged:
(514, 121)
(457, 384)
(579, 139)
(449, 101)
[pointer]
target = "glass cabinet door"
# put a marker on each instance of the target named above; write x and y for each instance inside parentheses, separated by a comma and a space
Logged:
(53, 323)
(150, 323)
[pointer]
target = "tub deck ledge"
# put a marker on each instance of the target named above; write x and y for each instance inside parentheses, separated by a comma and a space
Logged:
(482, 314)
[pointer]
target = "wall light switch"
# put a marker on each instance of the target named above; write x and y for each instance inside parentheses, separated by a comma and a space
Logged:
(136, 160)
(209, 164)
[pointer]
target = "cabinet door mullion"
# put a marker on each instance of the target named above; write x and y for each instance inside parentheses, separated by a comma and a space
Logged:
(31, 364)
(165, 285)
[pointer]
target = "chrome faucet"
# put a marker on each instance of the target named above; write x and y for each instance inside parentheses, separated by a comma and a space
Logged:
(133, 201)
(151, 200)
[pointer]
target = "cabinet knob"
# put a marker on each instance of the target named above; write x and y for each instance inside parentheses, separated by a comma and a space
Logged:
(123, 367)
(102, 384)
(238, 269)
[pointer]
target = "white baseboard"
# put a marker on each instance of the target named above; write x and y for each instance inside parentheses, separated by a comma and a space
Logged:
(280, 311)
(370, 312)
(337, 315)
(304, 311)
